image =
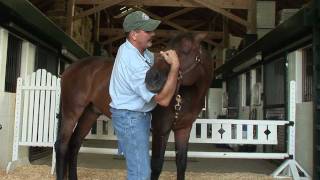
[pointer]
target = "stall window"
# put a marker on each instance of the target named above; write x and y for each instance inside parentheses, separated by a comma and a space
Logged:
(248, 89)
(233, 97)
(45, 59)
(275, 83)
(13, 64)
(274, 88)
(307, 74)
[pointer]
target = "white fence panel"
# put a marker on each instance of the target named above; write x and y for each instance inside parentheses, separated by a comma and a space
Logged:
(215, 131)
(37, 103)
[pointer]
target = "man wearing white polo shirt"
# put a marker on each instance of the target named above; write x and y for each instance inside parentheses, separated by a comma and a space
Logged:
(131, 100)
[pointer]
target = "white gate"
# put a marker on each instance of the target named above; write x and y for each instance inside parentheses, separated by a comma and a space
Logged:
(37, 103)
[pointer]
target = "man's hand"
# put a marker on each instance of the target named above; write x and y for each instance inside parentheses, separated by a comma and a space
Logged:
(163, 98)
(171, 57)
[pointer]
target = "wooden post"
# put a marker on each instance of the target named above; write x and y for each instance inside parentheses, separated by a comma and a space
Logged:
(252, 17)
(96, 27)
(70, 14)
(96, 33)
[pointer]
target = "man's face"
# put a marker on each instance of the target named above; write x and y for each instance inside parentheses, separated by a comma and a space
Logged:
(143, 38)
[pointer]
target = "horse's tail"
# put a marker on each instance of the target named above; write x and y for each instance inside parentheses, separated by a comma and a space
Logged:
(59, 118)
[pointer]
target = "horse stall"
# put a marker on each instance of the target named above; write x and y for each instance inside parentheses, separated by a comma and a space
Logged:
(261, 97)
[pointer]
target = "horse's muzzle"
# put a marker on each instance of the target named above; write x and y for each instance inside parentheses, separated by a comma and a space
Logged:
(155, 80)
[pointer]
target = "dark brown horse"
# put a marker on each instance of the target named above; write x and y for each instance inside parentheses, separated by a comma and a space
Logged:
(84, 96)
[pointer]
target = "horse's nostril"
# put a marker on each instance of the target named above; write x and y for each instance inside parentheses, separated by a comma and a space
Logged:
(157, 76)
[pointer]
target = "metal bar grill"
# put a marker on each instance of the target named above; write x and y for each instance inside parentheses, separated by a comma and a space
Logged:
(307, 74)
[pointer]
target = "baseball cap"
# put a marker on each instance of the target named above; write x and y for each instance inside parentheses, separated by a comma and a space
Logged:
(139, 20)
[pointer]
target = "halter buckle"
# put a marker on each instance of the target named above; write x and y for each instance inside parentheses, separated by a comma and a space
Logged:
(177, 107)
(198, 59)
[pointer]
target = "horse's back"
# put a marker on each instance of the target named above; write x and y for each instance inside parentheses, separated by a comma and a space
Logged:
(87, 82)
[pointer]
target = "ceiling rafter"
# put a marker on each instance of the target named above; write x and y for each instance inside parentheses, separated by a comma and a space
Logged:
(170, 23)
(218, 9)
(226, 4)
(166, 21)
(100, 7)
(178, 13)
(109, 41)
(160, 32)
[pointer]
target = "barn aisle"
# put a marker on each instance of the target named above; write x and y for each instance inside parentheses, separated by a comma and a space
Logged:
(37, 172)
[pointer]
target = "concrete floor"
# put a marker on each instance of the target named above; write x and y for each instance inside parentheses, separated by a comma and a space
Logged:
(102, 161)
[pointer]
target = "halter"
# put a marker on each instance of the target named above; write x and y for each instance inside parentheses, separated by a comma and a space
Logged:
(178, 97)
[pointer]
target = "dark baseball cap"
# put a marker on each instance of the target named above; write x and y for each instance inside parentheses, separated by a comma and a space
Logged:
(138, 20)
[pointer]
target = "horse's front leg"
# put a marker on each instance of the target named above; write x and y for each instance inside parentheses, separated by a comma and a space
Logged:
(181, 145)
(159, 143)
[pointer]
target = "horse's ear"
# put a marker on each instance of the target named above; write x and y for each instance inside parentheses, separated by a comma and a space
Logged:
(200, 36)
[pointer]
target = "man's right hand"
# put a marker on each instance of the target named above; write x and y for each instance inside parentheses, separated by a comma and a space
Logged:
(171, 58)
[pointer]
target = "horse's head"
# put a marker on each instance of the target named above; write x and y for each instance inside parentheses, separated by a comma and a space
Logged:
(190, 55)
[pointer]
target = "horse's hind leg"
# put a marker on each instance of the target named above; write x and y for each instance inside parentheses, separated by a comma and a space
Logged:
(159, 143)
(181, 145)
(68, 122)
(83, 127)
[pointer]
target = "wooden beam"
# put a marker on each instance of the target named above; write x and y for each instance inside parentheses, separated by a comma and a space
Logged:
(226, 4)
(170, 23)
(159, 33)
(70, 14)
(123, 14)
(100, 7)
(181, 22)
(96, 27)
(218, 9)
(198, 25)
(178, 13)
(252, 17)
(111, 40)
(225, 27)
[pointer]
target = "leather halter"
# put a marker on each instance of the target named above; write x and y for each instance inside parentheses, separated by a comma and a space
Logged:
(178, 97)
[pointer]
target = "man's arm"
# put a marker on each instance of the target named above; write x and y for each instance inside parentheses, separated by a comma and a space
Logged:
(163, 98)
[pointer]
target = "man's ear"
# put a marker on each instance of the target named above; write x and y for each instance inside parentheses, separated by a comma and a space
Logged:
(133, 35)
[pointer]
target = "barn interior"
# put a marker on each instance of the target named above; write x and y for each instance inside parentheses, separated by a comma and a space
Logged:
(245, 39)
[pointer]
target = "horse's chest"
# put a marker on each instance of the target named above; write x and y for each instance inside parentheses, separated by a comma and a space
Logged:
(187, 111)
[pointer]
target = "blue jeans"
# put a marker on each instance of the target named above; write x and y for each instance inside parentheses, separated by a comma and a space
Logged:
(132, 131)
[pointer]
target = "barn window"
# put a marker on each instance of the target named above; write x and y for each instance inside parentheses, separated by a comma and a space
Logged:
(248, 88)
(46, 59)
(307, 74)
(275, 83)
(13, 63)
(233, 97)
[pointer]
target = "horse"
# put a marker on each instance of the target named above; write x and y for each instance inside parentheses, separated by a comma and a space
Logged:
(84, 97)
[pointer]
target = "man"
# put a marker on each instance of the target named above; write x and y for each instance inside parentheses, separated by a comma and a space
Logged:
(131, 100)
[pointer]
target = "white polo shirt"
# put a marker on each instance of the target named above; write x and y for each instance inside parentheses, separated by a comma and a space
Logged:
(127, 87)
